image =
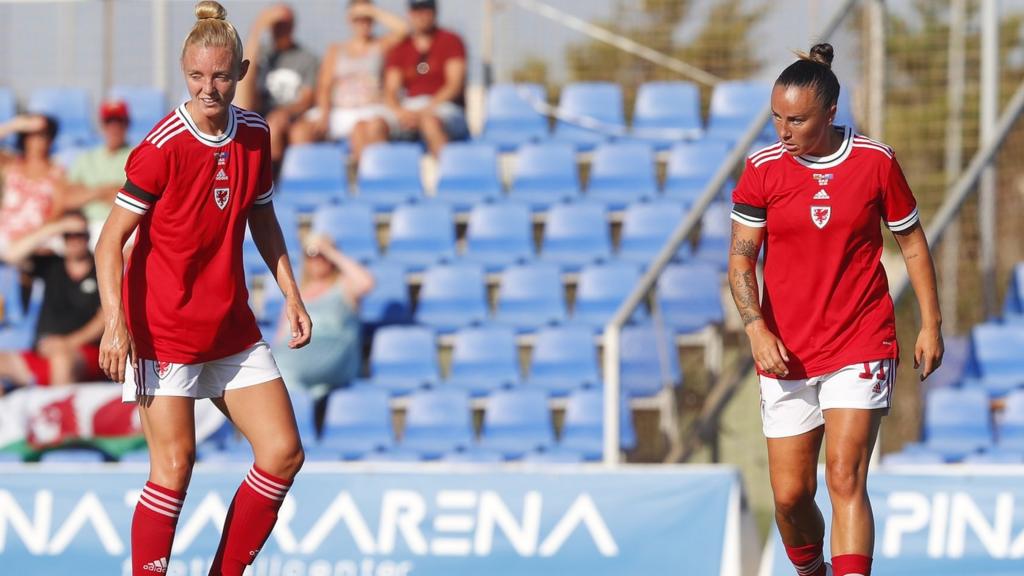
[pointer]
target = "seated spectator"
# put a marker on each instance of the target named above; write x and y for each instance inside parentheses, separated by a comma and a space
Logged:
(96, 175)
(349, 87)
(279, 83)
(66, 347)
(332, 286)
(31, 181)
(424, 81)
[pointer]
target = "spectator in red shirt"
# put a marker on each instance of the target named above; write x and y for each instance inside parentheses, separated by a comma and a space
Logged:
(424, 81)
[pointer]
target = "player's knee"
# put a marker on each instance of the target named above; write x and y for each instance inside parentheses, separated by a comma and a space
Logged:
(285, 457)
(845, 480)
(791, 501)
(172, 468)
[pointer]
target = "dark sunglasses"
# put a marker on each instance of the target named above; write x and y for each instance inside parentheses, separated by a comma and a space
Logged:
(73, 235)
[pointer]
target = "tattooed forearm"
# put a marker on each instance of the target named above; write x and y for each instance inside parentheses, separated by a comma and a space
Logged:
(743, 285)
(744, 247)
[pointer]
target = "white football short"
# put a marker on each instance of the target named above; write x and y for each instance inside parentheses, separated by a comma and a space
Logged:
(792, 407)
(254, 365)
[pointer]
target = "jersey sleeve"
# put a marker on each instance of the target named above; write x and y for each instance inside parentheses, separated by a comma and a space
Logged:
(265, 194)
(749, 207)
(146, 173)
(898, 204)
(456, 49)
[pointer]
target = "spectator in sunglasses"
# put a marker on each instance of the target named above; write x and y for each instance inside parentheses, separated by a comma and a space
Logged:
(67, 335)
(424, 83)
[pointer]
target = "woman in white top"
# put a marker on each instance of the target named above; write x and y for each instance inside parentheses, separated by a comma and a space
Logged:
(349, 87)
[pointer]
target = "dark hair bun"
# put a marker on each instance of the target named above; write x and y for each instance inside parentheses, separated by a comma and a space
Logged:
(822, 54)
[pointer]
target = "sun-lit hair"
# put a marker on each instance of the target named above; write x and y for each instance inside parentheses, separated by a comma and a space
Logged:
(814, 70)
(213, 30)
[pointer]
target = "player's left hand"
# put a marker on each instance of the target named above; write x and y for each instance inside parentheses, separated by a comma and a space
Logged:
(301, 324)
(928, 351)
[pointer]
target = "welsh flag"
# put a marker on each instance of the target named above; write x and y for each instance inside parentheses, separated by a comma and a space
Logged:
(34, 420)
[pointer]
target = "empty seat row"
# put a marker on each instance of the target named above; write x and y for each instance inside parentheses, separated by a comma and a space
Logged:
(502, 233)
(389, 174)
(486, 358)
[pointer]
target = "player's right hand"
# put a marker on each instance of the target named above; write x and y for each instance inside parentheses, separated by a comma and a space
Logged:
(116, 349)
(769, 352)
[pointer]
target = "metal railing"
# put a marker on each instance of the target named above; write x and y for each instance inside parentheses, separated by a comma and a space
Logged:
(612, 376)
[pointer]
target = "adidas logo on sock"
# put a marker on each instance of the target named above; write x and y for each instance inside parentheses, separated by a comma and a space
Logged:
(158, 566)
(821, 195)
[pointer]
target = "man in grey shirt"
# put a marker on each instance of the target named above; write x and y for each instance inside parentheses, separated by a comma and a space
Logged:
(281, 81)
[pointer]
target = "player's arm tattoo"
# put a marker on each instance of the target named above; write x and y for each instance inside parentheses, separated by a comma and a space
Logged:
(744, 292)
(744, 247)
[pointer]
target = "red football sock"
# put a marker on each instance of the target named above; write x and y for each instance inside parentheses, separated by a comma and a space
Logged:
(808, 559)
(250, 519)
(156, 516)
(851, 565)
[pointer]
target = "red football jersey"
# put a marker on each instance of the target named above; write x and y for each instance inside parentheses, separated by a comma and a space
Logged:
(184, 292)
(825, 291)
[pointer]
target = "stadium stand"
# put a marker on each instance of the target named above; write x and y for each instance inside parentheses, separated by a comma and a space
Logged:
(584, 423)
(602, 288)
(564, 359)
(389, 174)
(73, 111)
(357, 422)
(403, 358)
(472, 455)
(312, 175)
(646, 226)
(517, 421)
(667, 112)
(576, 234)
(996, 362)
(511, 119)
(734, 104)
(351, 227)
(622, 172)
(452, 296)
(8, 110)
(484, 359)
(499, 234)
(388, 302)
(1011, 426)
(422, 234)
(530, 295)
(437, 421)
(644, 354)
(691, 166)
(957, 422)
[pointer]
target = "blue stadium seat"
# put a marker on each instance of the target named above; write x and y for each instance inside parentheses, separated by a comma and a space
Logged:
(73, 111)
(622, 172)
(576, 234)
(422, 234)
(957, 422)
(484, 358)
(517, 421)
(646, 226)
(915, 458)
(530, 295)
(403, 358)
(1014, 303)
(996, 356)
(146, 106)
(468, 174)
(510, 118)
(499, 234)
(553, 455)
(689, 297)
(545, 174)
(472, 455)
(388, 302)
(351, 227)
(75, 456)
(995, 456)
(18, 330)
(564, 359)
(584, 423)
(590, 113)
(389, 174)
(715, 235)
(691, 166)
(8, 110)
(602, 288)
(357, 421)
(1011, 427)
(312, 175)
(648, 363)
(393, 455)
(438, 421)
(302, 406)
(734, 105)
(452, 296)
(667, 112)
(241, 455)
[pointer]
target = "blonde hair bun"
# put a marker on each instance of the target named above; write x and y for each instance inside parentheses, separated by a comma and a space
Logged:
(210, 9)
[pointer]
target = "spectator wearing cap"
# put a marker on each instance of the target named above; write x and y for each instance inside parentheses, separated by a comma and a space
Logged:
(97, 174)
(424, 84)
(280, 82)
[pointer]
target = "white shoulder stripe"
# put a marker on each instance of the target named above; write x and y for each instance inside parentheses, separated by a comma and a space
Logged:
(766, 150)
(164, 129)
(164, 139)
(765, 159)
(886, 151)
(162, 125)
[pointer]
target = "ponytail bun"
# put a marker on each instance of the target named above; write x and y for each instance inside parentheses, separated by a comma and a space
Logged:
(210, 9)
(821, 53)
